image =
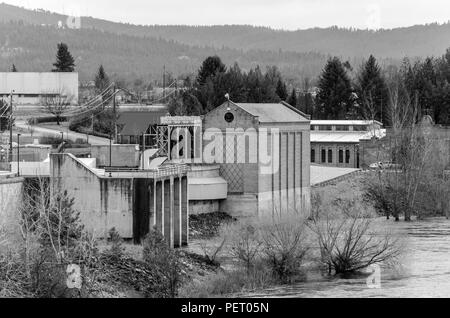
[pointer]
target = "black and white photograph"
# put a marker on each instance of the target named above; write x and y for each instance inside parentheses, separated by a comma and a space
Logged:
(216, 156)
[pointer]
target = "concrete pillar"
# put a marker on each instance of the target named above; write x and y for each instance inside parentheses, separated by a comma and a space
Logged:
(159, 206)
(152, 205)
(184, 212)
(167, 224)
(177, 212)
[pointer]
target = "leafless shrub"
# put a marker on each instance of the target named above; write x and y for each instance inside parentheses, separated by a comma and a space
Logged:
(349, 244)
(246, 244)
(52, 239)
(285, 245)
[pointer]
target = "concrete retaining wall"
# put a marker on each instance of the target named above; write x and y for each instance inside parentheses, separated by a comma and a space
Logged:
(10, 198)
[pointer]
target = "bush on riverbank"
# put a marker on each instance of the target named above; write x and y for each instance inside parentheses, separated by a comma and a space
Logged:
(349, 244)
(268, 251)
(265, 251)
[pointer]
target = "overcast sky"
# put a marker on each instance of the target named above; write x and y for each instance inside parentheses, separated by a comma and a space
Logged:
(280, 14)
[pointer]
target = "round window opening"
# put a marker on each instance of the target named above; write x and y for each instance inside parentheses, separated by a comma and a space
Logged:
(229, 117)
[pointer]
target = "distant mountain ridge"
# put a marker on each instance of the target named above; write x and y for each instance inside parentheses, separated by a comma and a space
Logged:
(28, 39)
(420, 40)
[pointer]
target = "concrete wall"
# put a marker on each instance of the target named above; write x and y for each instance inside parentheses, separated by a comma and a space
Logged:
(122, 155)
(30, 153)
(10, 198)
(32, 169)
(287, 189)
(103, 203)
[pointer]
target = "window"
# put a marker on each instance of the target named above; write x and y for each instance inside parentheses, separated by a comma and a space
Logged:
(347, 156)
(330, 156)
(360, 128)
(313, 155)
(342, 128)
(341, 156)
(324, 156)
(229, 117)
(326, 128)
(313, 127)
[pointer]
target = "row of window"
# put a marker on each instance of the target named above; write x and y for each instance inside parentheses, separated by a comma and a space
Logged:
(324, 158)
(338, 128)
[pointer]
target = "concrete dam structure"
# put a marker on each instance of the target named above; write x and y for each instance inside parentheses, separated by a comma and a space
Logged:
(131, 201)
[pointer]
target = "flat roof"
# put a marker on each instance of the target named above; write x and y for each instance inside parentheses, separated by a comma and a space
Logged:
(136, 123)
(345, 122)
(273, 112)
(345, 136)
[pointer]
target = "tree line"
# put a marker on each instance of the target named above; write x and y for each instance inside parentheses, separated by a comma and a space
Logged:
(340, 92)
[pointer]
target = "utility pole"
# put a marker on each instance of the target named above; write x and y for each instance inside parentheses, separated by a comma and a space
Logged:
(110, 151)
(115, 112)
(11, 128)
(18, 155)
(164, 82)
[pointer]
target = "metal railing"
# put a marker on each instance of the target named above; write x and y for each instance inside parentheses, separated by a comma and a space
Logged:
(166, 171)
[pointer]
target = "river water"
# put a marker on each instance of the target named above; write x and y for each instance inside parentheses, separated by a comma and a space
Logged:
(423, 270)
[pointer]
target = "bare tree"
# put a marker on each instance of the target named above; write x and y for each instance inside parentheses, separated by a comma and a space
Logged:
(56, 104)
(349, 244)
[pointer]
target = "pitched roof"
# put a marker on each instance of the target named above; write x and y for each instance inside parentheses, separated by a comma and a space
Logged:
(271, 113)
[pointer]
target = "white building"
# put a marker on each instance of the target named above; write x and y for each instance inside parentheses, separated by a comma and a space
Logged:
(336, 142)
(30, 88)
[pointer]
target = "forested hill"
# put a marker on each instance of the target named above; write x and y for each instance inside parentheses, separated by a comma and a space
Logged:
(33, 48)
(421, 40)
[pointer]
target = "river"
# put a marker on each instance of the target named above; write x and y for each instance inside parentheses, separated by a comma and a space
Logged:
(424, 269)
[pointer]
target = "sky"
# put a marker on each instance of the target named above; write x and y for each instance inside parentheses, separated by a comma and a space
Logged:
(278, 14)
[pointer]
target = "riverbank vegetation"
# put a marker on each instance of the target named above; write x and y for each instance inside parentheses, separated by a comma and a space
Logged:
(339, 239)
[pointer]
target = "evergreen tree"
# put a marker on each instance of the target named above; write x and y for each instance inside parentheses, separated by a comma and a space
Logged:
(372, 92)
(281, 90)
(254, 82)
(210, 67)
(64, 60)
(292, 100)
(335, 97)
(101, 80)
(13, 68)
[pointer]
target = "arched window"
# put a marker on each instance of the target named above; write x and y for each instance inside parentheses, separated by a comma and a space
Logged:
(313, 155)
(330, 156)
(324, 156)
